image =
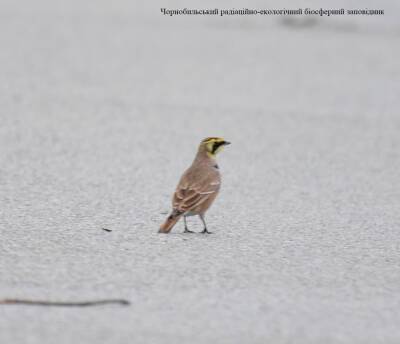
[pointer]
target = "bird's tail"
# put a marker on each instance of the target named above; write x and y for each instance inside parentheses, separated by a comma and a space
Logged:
(170, 222)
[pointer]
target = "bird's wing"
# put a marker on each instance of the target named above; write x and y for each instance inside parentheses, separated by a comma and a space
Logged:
(189, 195)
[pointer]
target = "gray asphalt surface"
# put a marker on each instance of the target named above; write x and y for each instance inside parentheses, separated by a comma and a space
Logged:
(102, 108)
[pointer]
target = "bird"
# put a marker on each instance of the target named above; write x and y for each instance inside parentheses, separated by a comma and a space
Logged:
(198, 186)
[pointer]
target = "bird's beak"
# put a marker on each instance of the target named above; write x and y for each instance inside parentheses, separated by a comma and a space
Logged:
(226, 143)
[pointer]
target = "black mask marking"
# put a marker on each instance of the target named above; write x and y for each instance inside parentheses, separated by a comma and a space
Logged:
(216, 145)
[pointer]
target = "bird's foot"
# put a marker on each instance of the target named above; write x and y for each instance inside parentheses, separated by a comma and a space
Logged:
(205, 231)
(187, 231)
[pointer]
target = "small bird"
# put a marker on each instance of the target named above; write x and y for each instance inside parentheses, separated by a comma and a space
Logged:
(198, 186)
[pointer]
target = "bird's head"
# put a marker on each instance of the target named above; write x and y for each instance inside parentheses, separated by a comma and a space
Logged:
(213, 145)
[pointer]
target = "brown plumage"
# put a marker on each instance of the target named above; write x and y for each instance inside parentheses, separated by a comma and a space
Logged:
(198, 186)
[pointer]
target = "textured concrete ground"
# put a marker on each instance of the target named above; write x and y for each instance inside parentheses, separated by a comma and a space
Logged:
(102, 107)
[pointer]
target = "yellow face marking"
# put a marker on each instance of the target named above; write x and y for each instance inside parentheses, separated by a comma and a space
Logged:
(213, 145)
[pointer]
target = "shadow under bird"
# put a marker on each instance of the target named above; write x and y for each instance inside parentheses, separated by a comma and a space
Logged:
(198, 186)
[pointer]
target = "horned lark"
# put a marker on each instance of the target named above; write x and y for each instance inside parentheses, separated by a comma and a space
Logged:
(198, 186)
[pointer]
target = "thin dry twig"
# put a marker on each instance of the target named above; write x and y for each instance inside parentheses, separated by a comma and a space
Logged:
(63, 304)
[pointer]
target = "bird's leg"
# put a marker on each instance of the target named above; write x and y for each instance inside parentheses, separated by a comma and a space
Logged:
(187, 230)
(205, 231)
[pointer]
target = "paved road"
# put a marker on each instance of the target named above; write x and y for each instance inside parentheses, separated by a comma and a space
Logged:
(102, 107)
